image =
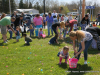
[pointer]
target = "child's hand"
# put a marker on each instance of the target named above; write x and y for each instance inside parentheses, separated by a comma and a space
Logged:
(62, 56)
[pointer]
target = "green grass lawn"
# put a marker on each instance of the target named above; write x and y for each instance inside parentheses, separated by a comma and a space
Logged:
(40, 58)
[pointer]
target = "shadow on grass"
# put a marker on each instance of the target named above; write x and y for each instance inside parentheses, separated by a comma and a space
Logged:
(3, 44)
(55, 44)
(80, 70)
(14, 42)
(63, 65)
(24, 45)
(34, 37)
(49, 36)
(93, 51)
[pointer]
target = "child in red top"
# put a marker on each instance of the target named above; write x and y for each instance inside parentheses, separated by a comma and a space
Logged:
(94, 25)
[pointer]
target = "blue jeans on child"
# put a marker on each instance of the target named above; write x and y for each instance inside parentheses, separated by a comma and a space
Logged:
(17, 37)
(87, 44)
(31, 32)
(10, 32)
(49, 25)
(83, 27)
(37, 29)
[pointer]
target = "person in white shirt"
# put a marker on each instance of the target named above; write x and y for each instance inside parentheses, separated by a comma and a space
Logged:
(54, 15)
(75, 26)
(65, 19)
(22, 29)
(70, 17)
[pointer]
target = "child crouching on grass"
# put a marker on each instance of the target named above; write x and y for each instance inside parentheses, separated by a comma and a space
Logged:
(53, 40)
(63, 54)
(27, 39)
(17, 34)
(40, 34)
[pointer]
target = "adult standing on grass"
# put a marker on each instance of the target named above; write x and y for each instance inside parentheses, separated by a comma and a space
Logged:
(2, 16)
(38, 21)
(85, 39)
(6, 21)
(54, 15)
(18, 21)
(14, 14)
(95, 31)
(22, 14)
(58, 25)
(86, 19)
(70, 17)
(44, 21)
(98, 18)
(49, 20)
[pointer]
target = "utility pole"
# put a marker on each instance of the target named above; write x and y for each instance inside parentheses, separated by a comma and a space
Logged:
(44, 6)
(80, 13)
(83, 9)
(9, 7)
(3, 5)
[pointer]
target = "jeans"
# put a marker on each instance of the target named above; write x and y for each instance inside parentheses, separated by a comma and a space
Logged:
(54, 29)
(87, 44)
(44, 25)
(54, 21)
(10, 32)
(31, 32)
(27, 42)
(49, 25)
(37, 29)
(83, 27)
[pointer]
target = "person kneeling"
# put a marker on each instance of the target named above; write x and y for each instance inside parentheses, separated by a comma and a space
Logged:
(27, 39)
(54, 40)
(63, 54)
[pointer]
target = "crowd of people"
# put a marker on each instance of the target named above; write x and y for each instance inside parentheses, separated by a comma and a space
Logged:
(66, 25)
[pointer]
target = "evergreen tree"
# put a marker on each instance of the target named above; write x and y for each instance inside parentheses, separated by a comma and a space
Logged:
(30, 5)
(13, 5)
(21, 4)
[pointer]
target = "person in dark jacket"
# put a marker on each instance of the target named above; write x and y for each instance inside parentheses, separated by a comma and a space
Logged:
(14, 14)
(27, 39)
(16, 23)
(95, 31)
(86, 19)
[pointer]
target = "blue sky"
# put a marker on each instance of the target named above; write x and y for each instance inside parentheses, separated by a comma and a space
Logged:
(69, 1)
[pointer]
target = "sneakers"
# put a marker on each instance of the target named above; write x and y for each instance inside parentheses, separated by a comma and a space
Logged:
(85, 62)
(5, 42)
(59, 63)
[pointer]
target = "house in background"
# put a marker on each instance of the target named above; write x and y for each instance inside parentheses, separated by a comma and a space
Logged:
(28, 11)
